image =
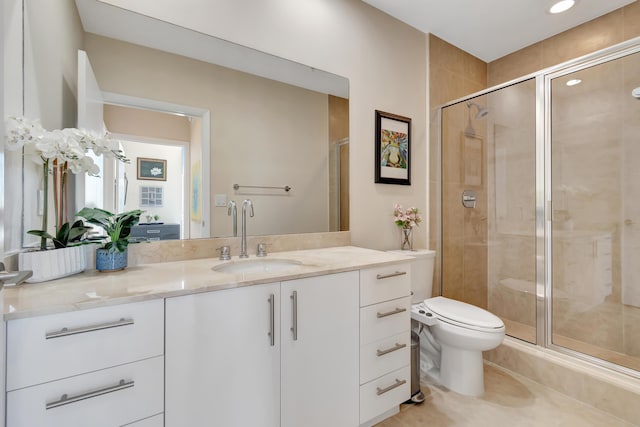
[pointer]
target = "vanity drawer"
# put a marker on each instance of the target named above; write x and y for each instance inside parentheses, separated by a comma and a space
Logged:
(48, 348)
(385, 319)
(106, 398)
(156, 421)
(384, 283)
(385, 393)
(383, 356)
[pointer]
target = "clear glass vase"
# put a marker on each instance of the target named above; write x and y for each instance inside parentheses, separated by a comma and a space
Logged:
(406, 244)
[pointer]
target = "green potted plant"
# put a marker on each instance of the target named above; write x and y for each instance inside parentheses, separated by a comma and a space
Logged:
(112, 255)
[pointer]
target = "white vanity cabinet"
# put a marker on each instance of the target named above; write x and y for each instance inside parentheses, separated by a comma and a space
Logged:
(98, 367)
(281, 354)
(320, 351)
(223, 359)
(385, 341)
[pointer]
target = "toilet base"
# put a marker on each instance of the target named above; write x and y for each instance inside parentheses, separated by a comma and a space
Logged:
(462, 371)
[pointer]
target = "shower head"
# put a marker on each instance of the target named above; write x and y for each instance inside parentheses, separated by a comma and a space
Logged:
(482, 111)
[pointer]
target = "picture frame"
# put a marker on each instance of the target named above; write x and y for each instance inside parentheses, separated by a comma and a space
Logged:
(152, 169)
(392, 149)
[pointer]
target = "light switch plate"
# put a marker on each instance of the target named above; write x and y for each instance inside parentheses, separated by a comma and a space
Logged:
(220, 200)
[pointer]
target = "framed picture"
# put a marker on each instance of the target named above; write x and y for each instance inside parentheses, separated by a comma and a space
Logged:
(152, 169)
(393, 149)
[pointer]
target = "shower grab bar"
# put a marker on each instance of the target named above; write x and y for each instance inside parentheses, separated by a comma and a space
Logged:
(285, 188)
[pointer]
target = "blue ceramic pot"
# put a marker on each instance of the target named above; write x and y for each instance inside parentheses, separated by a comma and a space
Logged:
(110, 261)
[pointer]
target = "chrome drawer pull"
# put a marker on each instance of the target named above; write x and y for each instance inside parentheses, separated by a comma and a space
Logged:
(153, 231)
(386, 276)
(396, 347)
(66, 399)
(294, 309)
(66, 331)
(397, 384)
(391, 313)
(272, 319)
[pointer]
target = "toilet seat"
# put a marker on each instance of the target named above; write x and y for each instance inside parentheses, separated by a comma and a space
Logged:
(464, 315)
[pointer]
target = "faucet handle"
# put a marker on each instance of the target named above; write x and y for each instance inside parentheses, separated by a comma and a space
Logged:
(225, 253)
(262, 249)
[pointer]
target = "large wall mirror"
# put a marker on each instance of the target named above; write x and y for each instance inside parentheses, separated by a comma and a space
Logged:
(222, 122)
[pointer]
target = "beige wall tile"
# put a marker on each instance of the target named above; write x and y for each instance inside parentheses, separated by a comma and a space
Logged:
(631, 20)
(514, 65)
(594, 35)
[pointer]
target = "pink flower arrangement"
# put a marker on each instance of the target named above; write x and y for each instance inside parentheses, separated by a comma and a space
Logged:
(408, 218)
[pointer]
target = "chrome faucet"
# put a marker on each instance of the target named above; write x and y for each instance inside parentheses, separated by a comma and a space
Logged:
(243, 243)
(233, 211)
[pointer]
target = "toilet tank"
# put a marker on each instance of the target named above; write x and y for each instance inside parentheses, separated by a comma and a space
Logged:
(421, 272)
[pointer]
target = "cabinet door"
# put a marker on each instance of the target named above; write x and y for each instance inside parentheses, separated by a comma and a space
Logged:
(222, 367)
(320, 363)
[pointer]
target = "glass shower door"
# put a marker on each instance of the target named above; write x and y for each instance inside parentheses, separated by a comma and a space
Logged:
(595, 193)
(488, 206)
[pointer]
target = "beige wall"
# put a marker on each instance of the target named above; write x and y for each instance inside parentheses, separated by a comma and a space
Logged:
(146, 123)
(384, 60)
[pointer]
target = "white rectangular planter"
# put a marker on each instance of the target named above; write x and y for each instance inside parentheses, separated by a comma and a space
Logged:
(54, 263)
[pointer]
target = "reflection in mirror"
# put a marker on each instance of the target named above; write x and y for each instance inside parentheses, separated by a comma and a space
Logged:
(264, 132)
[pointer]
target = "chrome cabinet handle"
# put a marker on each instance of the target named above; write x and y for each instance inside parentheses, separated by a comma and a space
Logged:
(397, 384)
(396, 347)
(66, 331)
(294, 308)
(272, 319)
(391, 313)
(67, 400)
(386, 276)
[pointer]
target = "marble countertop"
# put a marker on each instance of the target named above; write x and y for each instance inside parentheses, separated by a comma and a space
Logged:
(149, 281)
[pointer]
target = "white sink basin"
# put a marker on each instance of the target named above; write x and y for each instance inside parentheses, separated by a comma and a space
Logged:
(266, 265)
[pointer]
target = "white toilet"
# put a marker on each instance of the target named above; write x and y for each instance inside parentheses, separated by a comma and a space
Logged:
(454, 334)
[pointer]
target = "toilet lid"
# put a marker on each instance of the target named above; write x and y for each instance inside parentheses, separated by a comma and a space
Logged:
(463, 313)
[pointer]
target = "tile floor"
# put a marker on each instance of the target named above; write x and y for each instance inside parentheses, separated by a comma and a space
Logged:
(510, 400)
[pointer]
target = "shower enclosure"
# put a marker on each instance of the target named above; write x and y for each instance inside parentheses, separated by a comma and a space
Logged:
(540, 218)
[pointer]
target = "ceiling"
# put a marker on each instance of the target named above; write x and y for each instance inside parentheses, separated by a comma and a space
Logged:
(491, 29)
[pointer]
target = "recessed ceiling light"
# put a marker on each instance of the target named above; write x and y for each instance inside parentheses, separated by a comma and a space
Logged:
(562, 6)
(574, 82)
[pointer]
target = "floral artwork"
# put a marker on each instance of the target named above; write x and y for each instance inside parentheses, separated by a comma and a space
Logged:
(393, 149)
(152, 169)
